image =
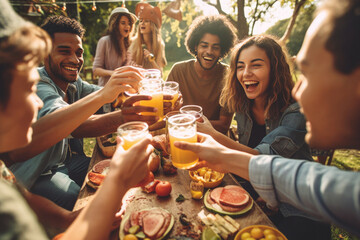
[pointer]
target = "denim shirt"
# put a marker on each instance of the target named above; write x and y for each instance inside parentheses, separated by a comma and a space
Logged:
(53, 97)
(285, 136)
(325, 192)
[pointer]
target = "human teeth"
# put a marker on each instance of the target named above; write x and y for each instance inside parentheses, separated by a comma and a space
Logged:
(208, 58)
(250, 82)
(70, 68)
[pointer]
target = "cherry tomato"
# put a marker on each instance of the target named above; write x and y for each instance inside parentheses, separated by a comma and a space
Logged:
(163, 189)
(149, 178)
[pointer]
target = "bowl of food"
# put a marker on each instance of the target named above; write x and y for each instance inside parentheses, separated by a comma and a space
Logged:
(259, 232)
(107, 144)
(210, 178)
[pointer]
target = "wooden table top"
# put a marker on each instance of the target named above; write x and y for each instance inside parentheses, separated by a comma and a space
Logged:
(180, 185)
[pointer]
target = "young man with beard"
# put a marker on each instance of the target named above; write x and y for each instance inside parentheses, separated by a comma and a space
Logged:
(58, 172)
(208, 39)
(329, 97)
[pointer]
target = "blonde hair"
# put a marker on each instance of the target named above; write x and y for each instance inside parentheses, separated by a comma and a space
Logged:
(281, 83)
(158, 46)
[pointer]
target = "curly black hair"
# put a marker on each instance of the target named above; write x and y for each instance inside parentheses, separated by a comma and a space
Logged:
(217, 25)
(60, 24)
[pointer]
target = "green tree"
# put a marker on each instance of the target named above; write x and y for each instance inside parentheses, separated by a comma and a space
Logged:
(301, 25)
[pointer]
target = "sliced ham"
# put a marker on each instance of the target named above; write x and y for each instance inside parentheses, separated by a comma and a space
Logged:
(161, 232)
(215, 194)
(233, 197)
(134, 218)
(232, 209)
(127, 226)
(101, 166)
(96, 178)
(152, 223)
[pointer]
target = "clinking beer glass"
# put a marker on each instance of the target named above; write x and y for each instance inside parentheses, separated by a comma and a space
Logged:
(182, 127)
(171, 88)
(152, 87)
(132, 132)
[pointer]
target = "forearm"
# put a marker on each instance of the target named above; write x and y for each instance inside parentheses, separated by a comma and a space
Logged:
(228, 142)
(53, 127)
(236, 162)
(98, 125)
(219, 126)
(310, 187)
(100, 72)
(95, 220)
(53, 217)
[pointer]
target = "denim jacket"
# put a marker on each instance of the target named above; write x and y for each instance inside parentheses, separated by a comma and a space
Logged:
(285, 136)
(27, 172)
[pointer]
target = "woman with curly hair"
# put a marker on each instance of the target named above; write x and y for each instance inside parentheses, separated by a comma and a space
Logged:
(147, 48)
(112, 49)
(258, 89)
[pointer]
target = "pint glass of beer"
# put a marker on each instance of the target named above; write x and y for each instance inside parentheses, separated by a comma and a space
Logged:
(195, 110)
(152, 87)
(182, 127)
(132, 132)
(171, 88)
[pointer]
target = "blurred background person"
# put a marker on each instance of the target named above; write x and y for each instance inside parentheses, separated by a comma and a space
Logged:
(112, 48)
(147, 48)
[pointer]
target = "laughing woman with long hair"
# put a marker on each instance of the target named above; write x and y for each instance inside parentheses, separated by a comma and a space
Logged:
(258, 89)
(112, 49)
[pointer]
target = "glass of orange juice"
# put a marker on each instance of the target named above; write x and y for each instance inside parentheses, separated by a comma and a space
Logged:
(171, 88)
(132, 132)
(152, 87)
(182, 127)
(195, 110)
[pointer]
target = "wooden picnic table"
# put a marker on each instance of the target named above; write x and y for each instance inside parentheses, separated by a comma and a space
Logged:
(180, 185)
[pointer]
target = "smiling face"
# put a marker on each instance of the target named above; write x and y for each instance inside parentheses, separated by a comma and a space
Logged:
(208, 51)
(145, 26)
(253, 72)
(66, 59)
(124, 26)
(329, 99)
(21, 109)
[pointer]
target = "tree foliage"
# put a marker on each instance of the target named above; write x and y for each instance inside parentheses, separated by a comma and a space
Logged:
(301, 25)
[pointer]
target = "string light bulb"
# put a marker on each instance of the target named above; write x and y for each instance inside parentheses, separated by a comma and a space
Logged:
(93, 6)
(64, 7)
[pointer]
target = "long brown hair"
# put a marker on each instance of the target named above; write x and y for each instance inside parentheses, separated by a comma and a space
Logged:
(281, 83)
(158, 46)
(115, 35)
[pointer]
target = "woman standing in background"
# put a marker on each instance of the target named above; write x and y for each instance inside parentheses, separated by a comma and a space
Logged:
(147, 48)
(111, 50)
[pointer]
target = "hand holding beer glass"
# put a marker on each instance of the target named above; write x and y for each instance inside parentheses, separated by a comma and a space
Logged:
(152, 87)
(182, 127)
(171, 88)
(132, 132)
